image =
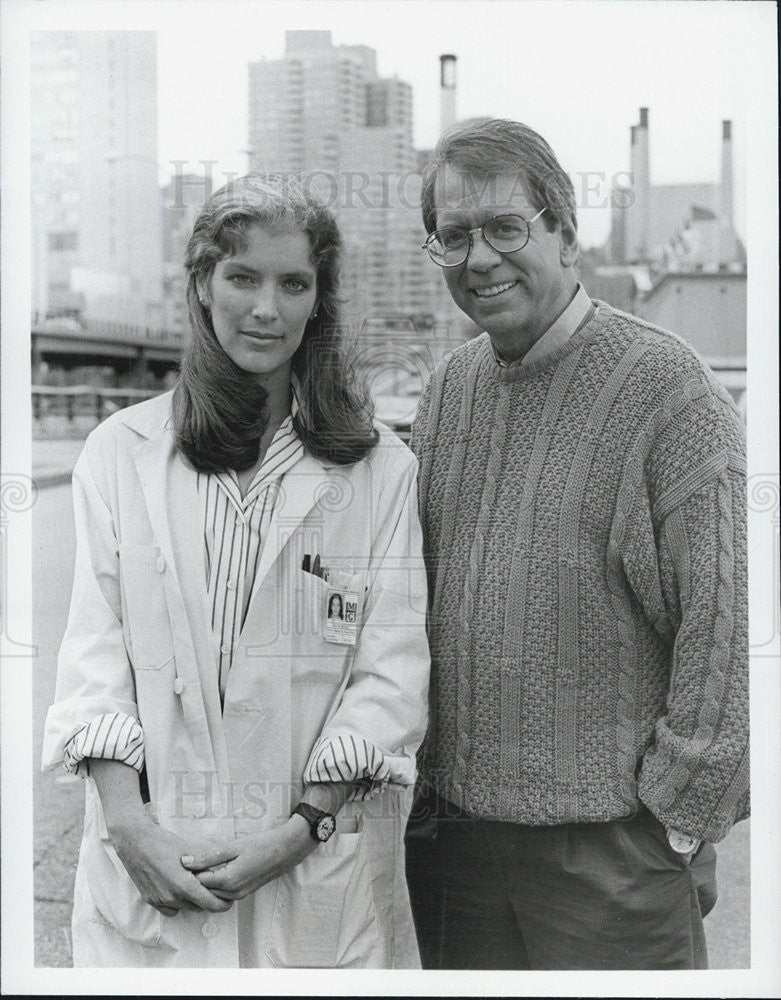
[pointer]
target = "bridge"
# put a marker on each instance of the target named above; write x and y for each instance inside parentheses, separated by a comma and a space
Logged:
(66, 343)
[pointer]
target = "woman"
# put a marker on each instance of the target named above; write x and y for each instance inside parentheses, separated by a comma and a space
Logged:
(220, 724)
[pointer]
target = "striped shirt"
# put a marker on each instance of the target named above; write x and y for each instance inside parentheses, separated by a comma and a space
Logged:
(234, 531)
(113, 737)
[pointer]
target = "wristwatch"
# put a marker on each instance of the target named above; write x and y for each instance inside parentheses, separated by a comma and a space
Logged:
(321, 824)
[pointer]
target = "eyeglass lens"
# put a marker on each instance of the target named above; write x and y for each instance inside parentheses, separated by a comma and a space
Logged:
(505, 233)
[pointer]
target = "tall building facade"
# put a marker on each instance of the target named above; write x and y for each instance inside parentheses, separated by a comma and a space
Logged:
(323, 111)
(183, 197)
(97, 228)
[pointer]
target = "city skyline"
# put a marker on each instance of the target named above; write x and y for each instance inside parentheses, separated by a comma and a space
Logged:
(698, 46)
(563, 49)
(322, 108)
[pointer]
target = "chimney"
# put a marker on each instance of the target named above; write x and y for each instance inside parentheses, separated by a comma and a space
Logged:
(726, 241)
(639, 214)
(726, 172)
(447, 91)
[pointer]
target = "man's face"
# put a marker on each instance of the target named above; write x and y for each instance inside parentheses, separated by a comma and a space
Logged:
(514, 296)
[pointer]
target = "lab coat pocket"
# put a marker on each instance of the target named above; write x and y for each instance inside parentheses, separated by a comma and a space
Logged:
(309, 606)
(324, 914)
(115, 897)
(143, 569)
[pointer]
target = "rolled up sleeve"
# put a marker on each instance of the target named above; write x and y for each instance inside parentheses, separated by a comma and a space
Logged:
(94, 676)
(347, 758)
(107, 737)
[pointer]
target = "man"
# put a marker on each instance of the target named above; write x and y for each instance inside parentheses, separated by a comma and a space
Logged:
(582, 495)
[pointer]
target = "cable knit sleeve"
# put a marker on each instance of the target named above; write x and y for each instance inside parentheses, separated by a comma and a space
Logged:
(694, 776)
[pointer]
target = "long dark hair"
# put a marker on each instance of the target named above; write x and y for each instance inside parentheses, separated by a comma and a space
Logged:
(219, 413)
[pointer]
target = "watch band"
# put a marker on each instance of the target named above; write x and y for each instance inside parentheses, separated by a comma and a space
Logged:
(321, 824)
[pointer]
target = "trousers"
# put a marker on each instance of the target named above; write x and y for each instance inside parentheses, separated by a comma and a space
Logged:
(495, 895)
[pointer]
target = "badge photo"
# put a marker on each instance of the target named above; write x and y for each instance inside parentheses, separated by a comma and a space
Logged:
(341, 616)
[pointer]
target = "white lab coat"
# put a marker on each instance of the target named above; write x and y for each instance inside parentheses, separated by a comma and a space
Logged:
(139, 641)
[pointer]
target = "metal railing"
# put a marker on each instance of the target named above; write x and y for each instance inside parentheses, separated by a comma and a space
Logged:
(71, 401)
(97, 403)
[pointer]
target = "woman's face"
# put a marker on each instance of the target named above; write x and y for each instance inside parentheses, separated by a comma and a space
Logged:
(336, 605)
(261, 299)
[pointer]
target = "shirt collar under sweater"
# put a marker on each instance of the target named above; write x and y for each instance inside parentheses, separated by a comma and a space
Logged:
(557, 334)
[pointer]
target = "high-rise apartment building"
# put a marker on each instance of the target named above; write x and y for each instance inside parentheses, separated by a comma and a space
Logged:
(183, 197)
(97, 232)
(323, 111)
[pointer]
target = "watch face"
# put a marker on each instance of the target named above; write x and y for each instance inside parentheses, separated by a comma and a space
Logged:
(325, 827)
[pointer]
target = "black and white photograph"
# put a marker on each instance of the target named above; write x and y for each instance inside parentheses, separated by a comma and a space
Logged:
(389, 510)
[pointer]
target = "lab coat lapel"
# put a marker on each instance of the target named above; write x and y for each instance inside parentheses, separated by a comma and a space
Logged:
(300, 489)
(174, 510)
(152, 457)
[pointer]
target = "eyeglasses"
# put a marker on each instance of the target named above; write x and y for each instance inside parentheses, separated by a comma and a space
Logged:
(451, 246)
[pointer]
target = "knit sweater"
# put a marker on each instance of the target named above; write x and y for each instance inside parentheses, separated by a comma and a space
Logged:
(584, 525)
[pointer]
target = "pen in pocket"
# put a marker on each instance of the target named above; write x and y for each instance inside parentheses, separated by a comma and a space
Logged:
(309, 565)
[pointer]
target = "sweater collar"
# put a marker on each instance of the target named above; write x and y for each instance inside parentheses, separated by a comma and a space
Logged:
(558, 333)
(595, 320)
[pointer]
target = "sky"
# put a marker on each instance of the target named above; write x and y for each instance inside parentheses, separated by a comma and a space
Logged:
(575, 70)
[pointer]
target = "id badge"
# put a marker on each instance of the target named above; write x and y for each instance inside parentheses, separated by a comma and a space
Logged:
(342, 616)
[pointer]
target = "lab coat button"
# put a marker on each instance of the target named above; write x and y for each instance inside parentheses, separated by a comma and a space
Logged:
(231, 585)
(178, 685)
(210, 929)
(225, 650)
(160, 564)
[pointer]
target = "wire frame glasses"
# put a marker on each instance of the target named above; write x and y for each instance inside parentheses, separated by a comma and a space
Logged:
(451, 246)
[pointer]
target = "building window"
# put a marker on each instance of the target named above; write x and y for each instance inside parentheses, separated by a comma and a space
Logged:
(59, 242)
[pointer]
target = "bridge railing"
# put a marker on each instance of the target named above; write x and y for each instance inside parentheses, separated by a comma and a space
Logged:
(108, 331)
(94, 403)
(71, 401)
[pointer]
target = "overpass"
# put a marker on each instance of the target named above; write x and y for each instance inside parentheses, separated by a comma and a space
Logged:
(66, 343)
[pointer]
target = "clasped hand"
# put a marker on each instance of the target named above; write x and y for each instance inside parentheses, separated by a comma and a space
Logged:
(234, 870)
(172, 875)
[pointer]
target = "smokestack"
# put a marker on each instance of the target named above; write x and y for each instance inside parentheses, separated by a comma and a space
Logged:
(726, 172)
(640, 212)
(447, 91)
(726, 241)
